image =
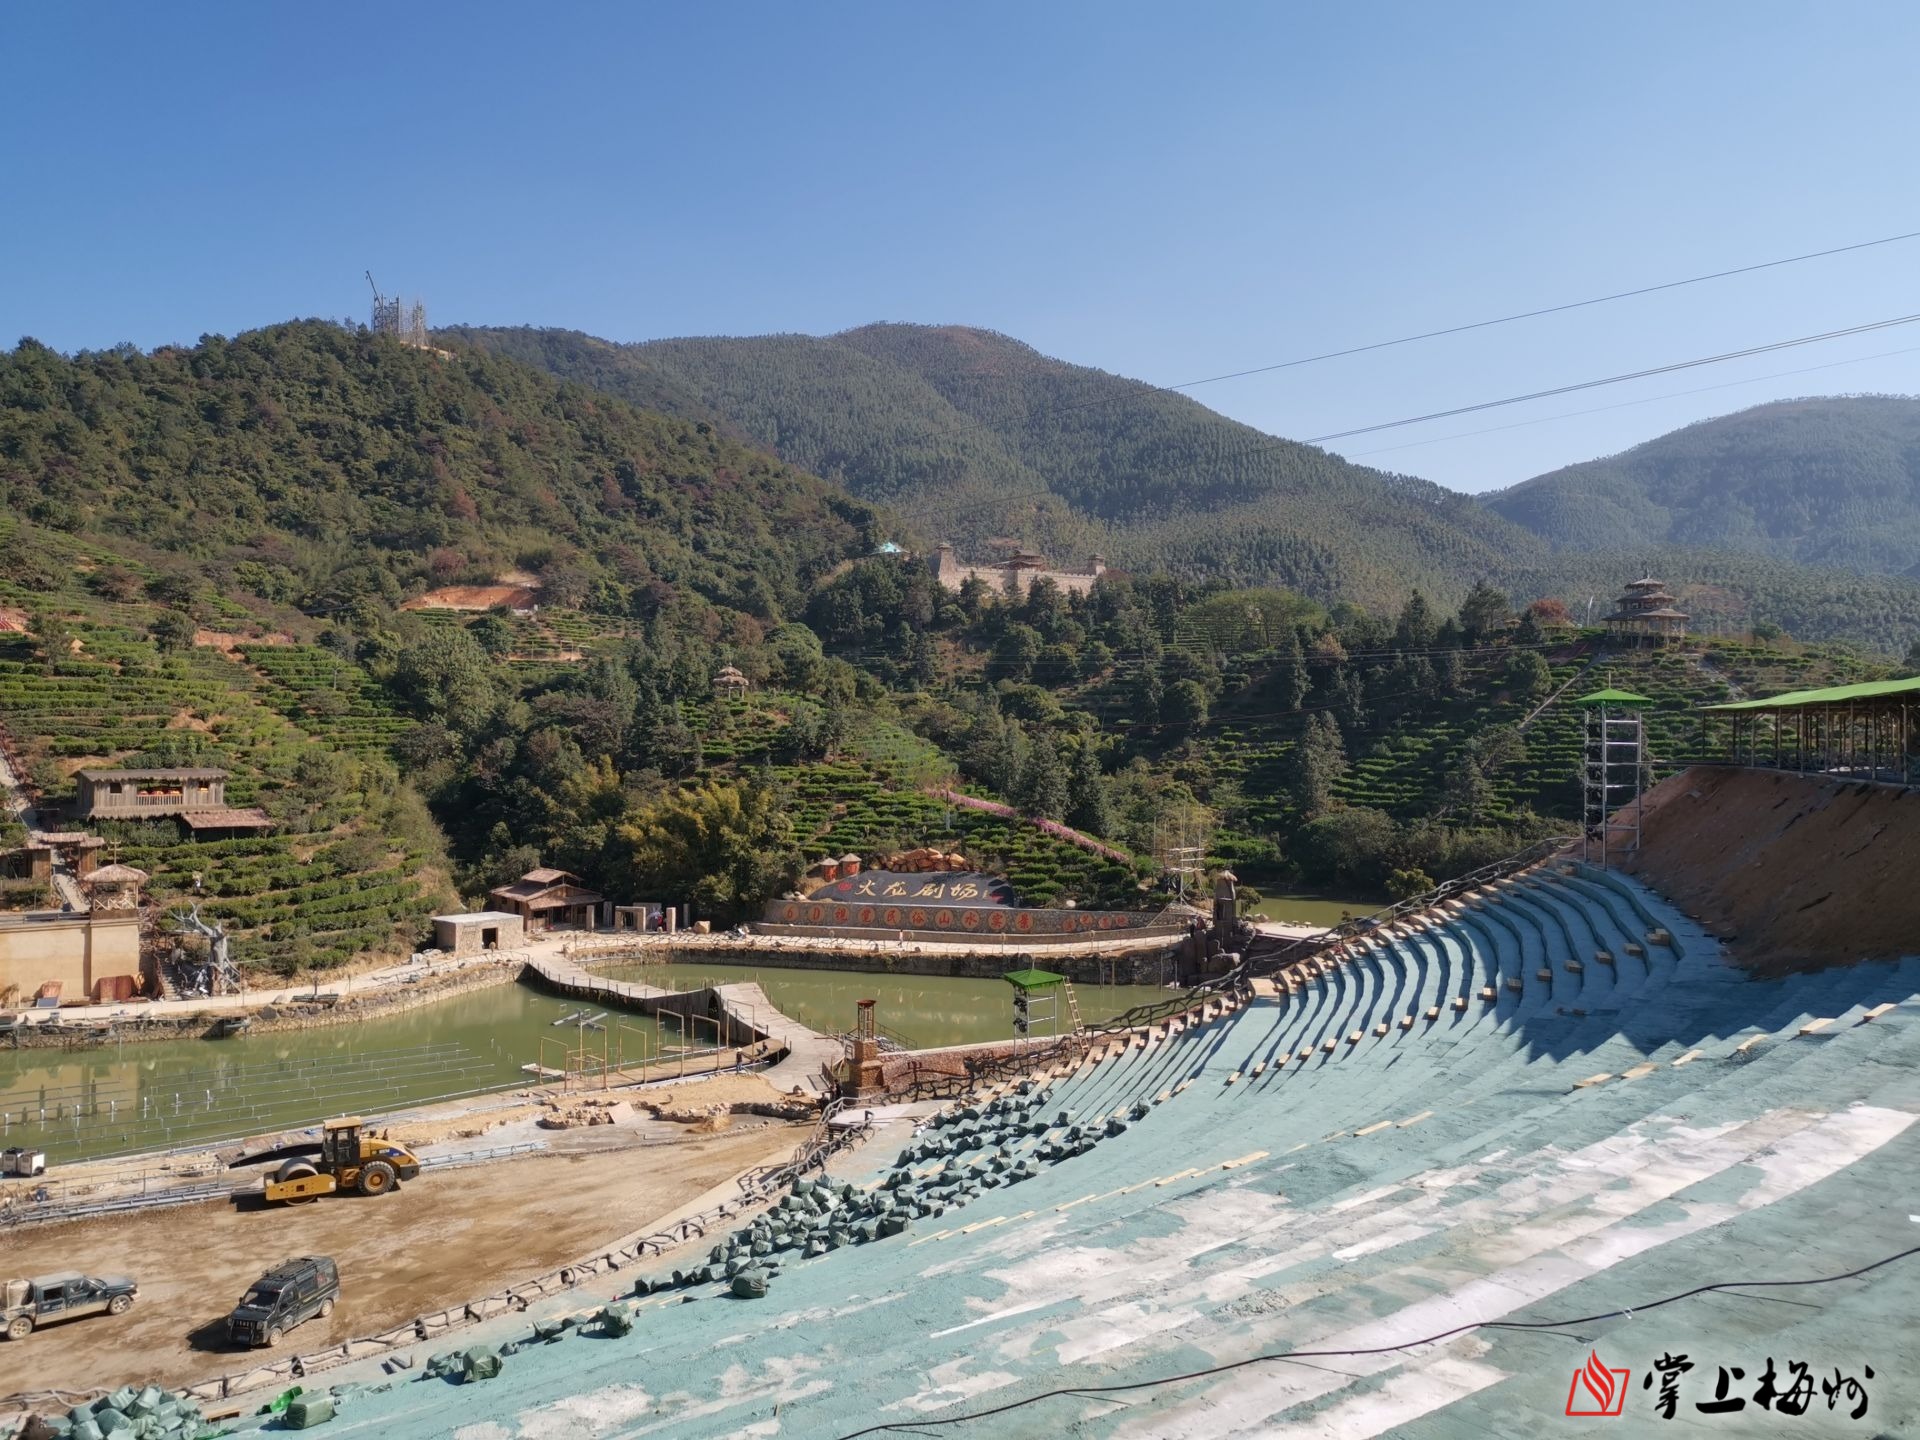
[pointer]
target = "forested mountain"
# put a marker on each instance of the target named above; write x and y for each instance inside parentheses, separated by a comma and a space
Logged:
(972, 435)
(209, 555)
(308, 464)
(1828, 481)
(881, 432)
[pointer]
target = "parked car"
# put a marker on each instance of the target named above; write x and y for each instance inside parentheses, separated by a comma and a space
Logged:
(27, 1304)
(291, 1293)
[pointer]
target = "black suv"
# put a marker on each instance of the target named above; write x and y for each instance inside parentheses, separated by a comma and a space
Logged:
(292, 1292)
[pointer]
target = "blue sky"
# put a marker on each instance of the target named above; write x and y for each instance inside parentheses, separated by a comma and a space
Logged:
(1166, 191)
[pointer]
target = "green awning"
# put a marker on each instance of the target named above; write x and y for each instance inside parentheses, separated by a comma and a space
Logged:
(1613, 697)
(1832, 695)
(1033, 979)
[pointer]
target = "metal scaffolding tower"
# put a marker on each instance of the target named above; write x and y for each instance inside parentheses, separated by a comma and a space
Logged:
(1613, 774)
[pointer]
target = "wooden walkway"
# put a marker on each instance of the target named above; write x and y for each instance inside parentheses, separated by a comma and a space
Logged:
(808, 1053)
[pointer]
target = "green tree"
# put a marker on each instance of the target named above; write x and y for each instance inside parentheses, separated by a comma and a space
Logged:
(172, 631)
(1416, 626)
(1014, 653)
(445, 676)
(1184, 706)
(725, 846)
(1088, 807)
(52, 636)
(1043, 785)
(1291, 682)
(1529, 675)
(1353, 846)
(1319, 759)
(493, 633)
(1486, 611)
(1405, 884)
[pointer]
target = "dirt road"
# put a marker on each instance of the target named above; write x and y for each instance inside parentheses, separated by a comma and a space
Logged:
(437, 1242)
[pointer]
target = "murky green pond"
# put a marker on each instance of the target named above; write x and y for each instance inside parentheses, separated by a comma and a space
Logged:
(77, 1104)
(923, 1010)
(1315, 909)
(154, 1095)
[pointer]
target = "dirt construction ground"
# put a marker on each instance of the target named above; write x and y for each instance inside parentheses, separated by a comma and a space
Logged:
(439, 1241)
(1794, 872)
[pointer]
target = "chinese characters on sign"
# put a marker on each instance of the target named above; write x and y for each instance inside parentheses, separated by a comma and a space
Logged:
(1788, 1392)
(903, 889)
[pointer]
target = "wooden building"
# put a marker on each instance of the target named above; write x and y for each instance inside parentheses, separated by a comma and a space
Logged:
(197, 797)
(115, 887)
(547, 899)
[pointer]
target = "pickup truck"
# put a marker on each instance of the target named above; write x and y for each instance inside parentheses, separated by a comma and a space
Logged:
(46, 1299)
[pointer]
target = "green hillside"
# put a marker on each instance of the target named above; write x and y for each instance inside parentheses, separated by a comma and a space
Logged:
(315, 466)
(218, 555)
(1829, 481)
(971, 435)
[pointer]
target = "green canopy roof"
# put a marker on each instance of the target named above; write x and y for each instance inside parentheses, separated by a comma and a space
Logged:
(1832, 695)
(1033, 979)
(1613, 697)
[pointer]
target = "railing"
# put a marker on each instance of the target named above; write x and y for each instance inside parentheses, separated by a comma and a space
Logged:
(891, 1040)
(1265, 960)
(1887, 773)
(825, 1141)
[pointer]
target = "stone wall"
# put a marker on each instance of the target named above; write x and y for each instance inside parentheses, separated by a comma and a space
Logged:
(75, 950)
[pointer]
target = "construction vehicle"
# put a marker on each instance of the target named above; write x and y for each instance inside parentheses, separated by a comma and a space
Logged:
(25, 1304)
(350, 1158)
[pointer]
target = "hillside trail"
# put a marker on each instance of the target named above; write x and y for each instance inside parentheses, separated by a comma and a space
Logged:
(1573, 680)
(1707, 668)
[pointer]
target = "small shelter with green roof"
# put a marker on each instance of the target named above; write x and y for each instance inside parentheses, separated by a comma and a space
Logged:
(1866, 731)
(1036, 997)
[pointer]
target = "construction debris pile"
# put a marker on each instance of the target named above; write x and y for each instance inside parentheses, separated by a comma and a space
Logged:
(571, 1113)
(149, 1413)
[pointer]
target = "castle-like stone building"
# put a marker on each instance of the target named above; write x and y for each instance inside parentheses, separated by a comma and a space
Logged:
(1015, 574)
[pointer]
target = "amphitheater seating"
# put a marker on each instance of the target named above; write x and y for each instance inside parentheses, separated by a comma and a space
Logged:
(1461, 1120)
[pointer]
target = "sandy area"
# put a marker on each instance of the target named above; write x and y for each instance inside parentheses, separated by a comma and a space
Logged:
(442, 1240)
(1794, 872)
(474, 597)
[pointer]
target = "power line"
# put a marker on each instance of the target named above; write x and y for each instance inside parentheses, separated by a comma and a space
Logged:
(1616, 379)
(1643, 400)
(1529, 314)
(1628, 1312)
